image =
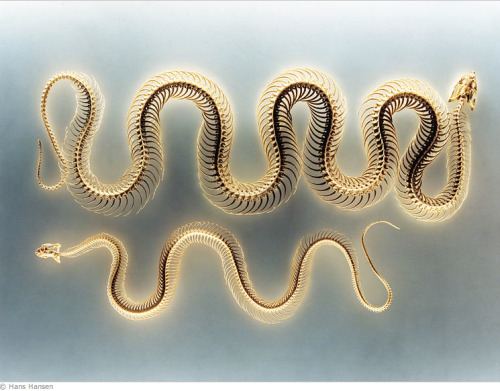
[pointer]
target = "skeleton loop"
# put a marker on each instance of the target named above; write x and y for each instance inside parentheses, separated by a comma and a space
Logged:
(384, 165)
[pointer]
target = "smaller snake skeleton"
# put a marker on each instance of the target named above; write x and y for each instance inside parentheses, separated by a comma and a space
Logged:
(139, 183)
(233, 265)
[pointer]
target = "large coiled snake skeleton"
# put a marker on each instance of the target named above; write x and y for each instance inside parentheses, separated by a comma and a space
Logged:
(319, 91)
(233, 264)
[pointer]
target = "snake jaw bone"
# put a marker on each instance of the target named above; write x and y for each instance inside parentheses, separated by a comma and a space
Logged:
(466, 89)
(50, 250)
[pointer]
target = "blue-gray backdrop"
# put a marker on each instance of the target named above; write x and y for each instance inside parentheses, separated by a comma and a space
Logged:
(56, 323)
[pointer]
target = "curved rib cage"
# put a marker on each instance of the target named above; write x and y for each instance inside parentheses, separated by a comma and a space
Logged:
(323, 138)
(233, 265)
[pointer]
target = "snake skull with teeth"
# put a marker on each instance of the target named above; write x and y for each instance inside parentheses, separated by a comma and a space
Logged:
(50, 250)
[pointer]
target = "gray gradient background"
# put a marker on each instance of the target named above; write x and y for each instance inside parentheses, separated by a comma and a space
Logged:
(56, 323)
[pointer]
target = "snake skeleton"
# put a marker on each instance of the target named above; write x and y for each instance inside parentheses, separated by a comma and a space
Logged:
(233, 265)
(139, 183)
